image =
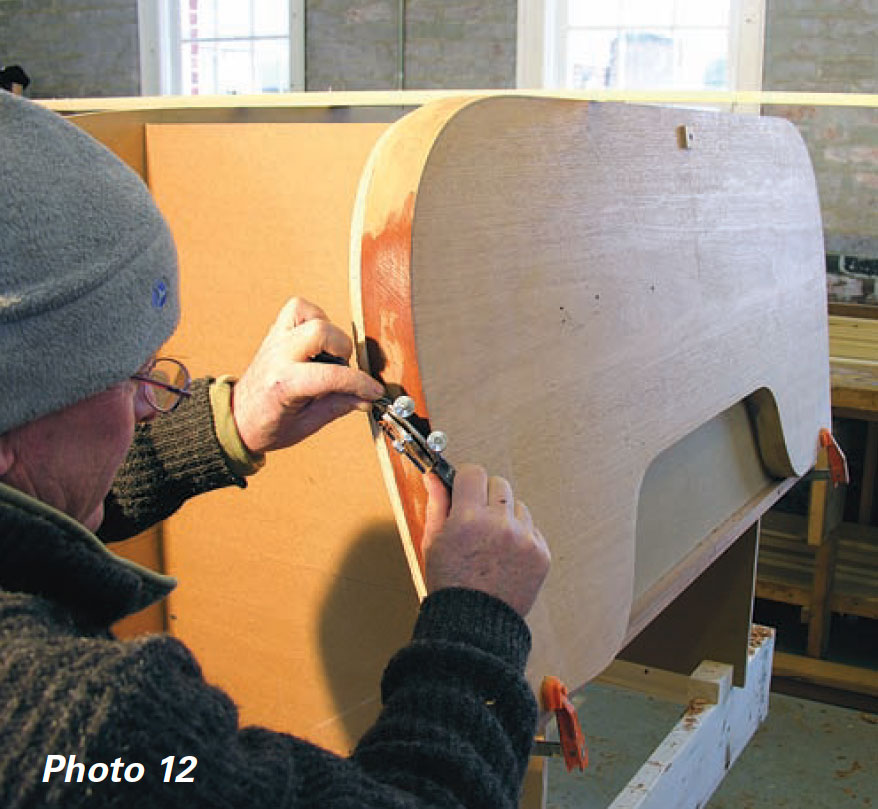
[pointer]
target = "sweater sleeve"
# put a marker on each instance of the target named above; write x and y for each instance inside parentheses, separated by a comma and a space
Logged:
(455, 730)
(173, 457)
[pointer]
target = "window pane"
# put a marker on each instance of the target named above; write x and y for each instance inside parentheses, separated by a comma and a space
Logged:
(241, 66)
(620, 60)
(594, 13)
(197, 19)
(209, 19)
(647, 13)
(588, 58)
(641, 60)
(656, 59)
(271, 18)
(272, 66)
(711, 13)
(702, 60)
(233, 18)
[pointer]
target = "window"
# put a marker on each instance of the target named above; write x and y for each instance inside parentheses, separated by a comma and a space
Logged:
(209, 47)
(641, 44)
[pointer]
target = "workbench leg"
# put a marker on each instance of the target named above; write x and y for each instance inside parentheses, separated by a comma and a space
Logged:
(870, 463)
(824, 515)
(820, 615)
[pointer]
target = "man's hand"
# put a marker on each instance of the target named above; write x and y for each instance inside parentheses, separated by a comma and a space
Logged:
(487, 541)
(283, 397)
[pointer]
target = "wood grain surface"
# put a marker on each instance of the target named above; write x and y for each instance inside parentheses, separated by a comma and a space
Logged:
(568, 293)
(295, 593)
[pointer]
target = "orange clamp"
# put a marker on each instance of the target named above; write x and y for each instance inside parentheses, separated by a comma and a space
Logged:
(838, 464)
(553, 695)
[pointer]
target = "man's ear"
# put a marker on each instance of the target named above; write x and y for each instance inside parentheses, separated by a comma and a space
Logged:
(5, 454)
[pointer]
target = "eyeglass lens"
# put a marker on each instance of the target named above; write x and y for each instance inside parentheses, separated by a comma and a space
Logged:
(166, 372)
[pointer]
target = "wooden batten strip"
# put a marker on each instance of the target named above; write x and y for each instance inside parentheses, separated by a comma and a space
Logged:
(853, 338)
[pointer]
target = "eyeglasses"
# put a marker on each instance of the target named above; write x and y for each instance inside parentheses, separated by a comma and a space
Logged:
(166, 383)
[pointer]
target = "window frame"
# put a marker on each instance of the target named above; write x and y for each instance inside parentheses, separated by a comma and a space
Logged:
(541, 40)
(160, 36)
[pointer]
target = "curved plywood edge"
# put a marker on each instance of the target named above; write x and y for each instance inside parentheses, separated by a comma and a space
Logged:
(381, 293)
(568, 289)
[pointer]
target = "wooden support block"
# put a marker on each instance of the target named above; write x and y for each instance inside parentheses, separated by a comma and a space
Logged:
(710, 683)
(659, 683)
(687, 767)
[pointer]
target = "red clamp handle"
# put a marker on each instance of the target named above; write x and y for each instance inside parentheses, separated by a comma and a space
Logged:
(553, 695)
(838, 464)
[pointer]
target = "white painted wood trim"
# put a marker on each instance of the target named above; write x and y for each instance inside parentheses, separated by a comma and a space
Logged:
(688, 766)
(746, 49)
(149, 41)
(541, 44)
(530, 44)
(746, 44)
(297, 46)
(159, 37)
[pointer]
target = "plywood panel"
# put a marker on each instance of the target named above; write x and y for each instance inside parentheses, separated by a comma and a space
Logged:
(294, 593)
(568, 293)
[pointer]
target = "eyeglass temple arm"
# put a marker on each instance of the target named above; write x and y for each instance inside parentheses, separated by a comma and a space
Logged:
(172, 388)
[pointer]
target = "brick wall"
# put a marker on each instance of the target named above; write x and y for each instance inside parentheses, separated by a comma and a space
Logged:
(830, 46)
(90, 47)
(72, 47)
(453, 44)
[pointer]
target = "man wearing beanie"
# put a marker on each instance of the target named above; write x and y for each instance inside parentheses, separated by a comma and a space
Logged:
(101, 437)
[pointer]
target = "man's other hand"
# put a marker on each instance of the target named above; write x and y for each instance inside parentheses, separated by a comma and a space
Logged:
(485, 541)
(283, 396)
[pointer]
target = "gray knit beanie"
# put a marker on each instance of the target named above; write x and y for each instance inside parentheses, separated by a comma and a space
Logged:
(88, 269)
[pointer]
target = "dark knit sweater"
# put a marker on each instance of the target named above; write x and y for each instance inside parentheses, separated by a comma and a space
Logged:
(455, 730)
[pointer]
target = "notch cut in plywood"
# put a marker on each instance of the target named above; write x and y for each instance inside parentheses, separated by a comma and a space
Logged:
(567, 294)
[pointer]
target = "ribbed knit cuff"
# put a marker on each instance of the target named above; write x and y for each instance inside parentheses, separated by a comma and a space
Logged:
(470, 616)
(173, 457)
(241, 461)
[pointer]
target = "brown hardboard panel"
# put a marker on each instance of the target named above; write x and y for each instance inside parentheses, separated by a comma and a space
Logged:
(295, 592)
